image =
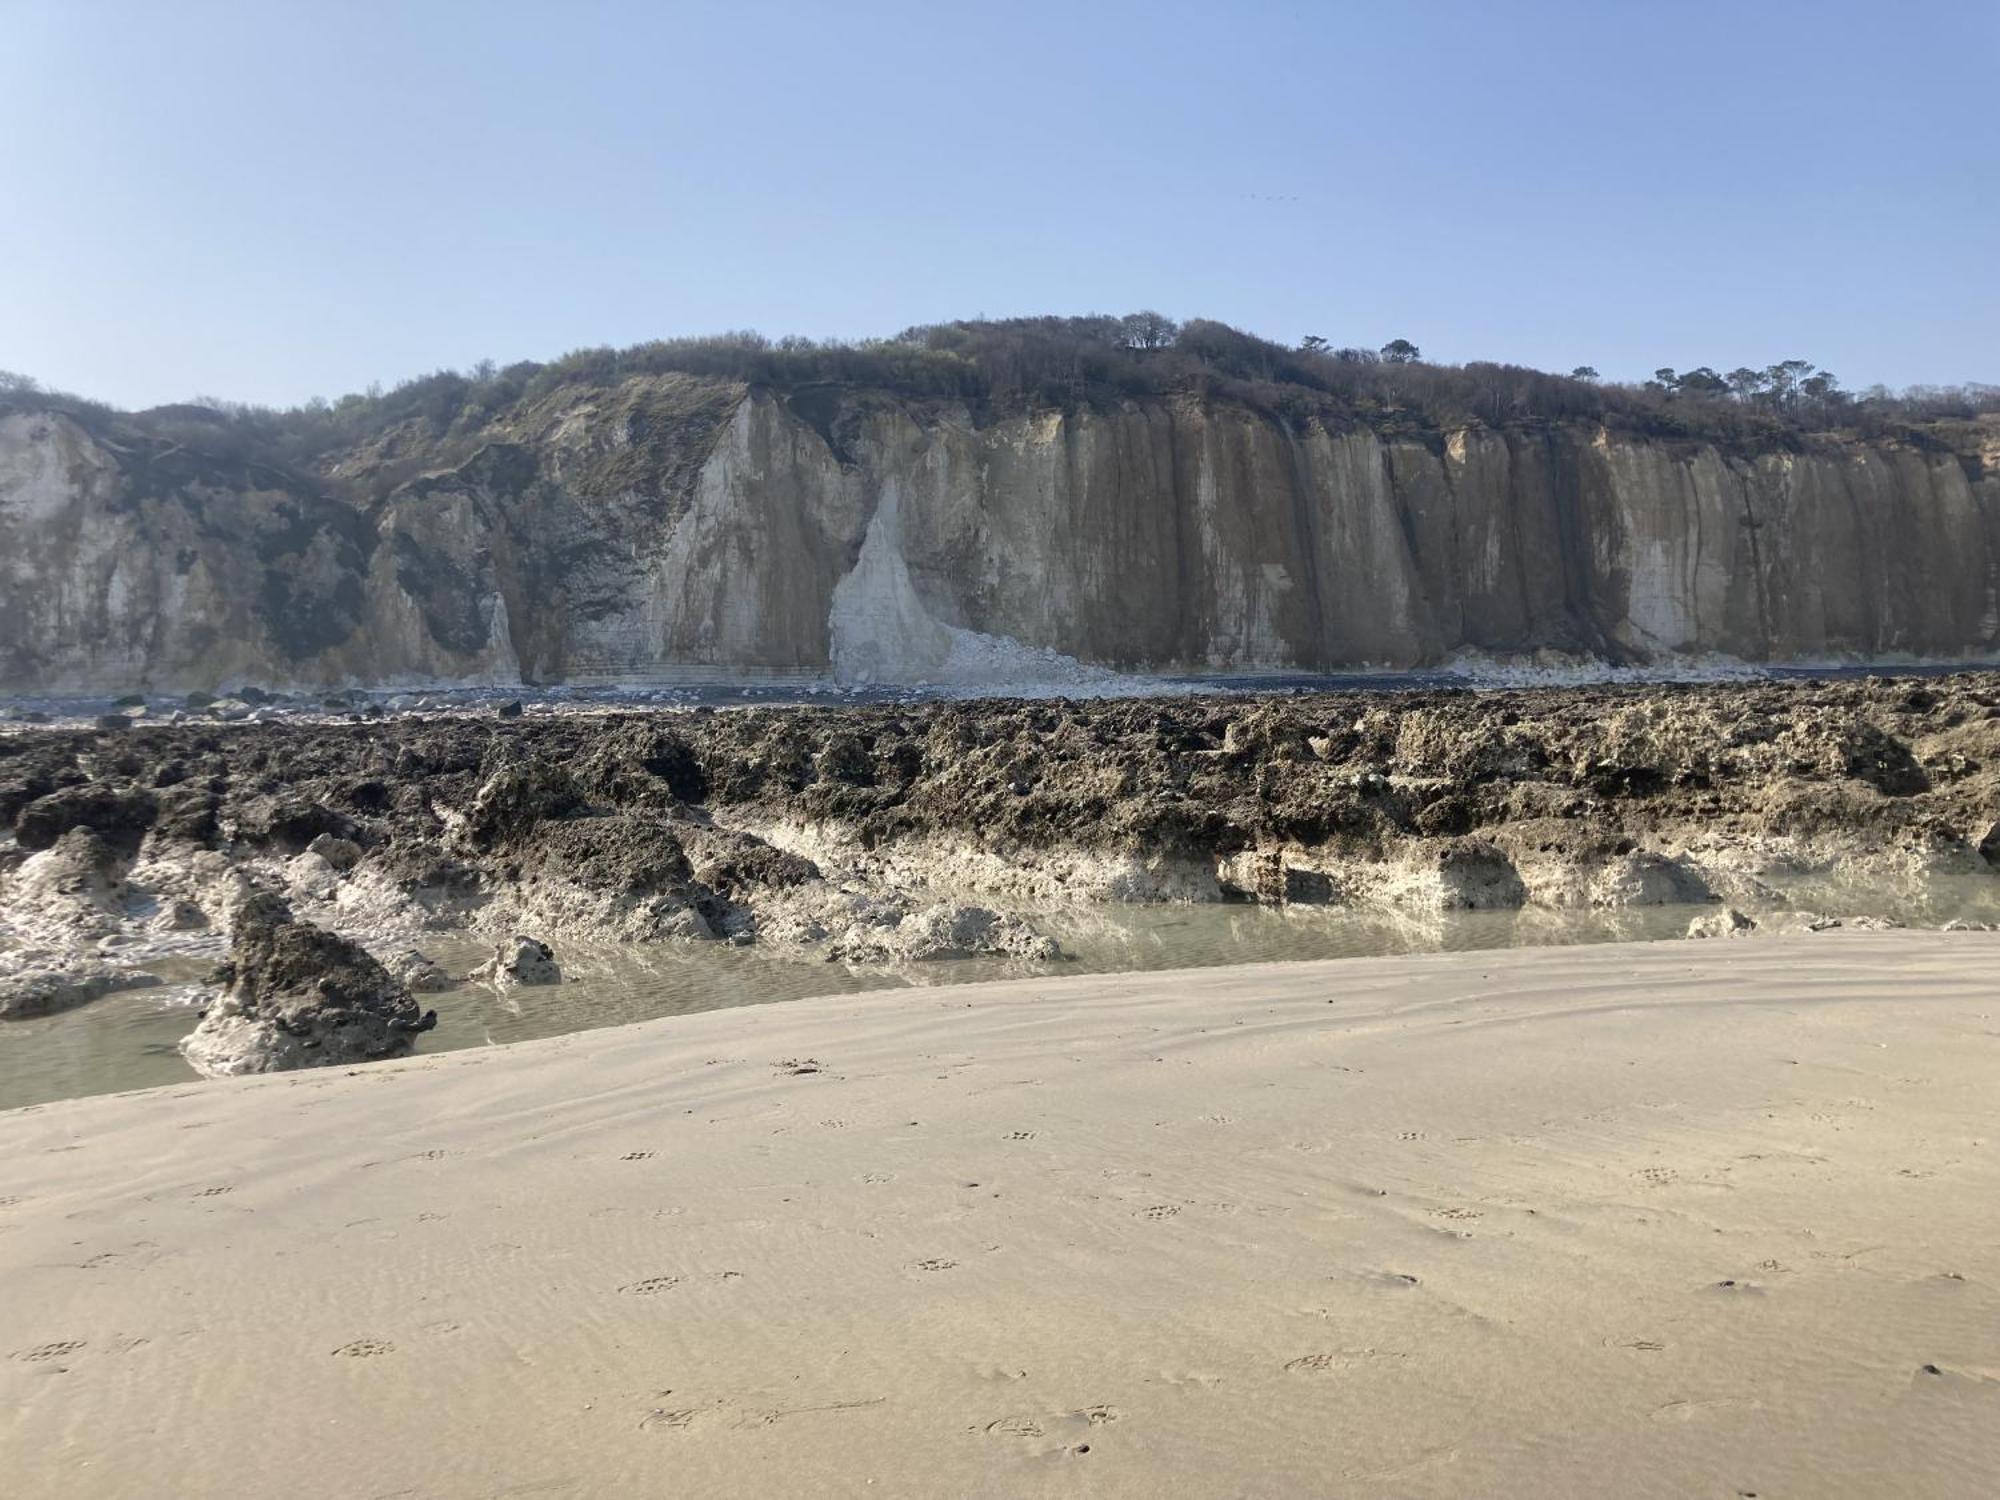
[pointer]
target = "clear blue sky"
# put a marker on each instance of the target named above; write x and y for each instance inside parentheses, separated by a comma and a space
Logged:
(266, 201)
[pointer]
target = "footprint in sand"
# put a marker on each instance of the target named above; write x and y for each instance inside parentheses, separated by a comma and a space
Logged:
(935, 1265)
(877, 1178)
(1657, 1176)
(1410, 1135)
(1338, 1359)
(669, 1419)
(56, 1350)
(652, 1286)
(215, 1192)
(1018, 1427)
(637, 1156)
(1021, 1135)
(365, 1348)
(1160, 1211)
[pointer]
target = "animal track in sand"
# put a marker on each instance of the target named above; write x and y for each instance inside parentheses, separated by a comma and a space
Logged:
(652, 1286)
(1410, 1135)
(215, 1192)
(798, 1067)
(1021, 1135)
(1657, 1176)
(1338, 1359)
(833, 1124)
(366, 1348)
(1160, 1211)
(878, 1178)
(935, 1265)
(676, 1419)
(1456, 1213)
(56, 1350)
(432, 1155)
(637, 1156)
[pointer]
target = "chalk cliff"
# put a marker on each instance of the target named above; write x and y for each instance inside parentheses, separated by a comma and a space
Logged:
(669, 526)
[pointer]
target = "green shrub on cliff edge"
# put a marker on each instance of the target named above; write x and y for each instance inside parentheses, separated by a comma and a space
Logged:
(999, 365)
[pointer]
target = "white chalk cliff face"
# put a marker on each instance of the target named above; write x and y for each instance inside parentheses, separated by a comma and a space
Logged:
(677, 528)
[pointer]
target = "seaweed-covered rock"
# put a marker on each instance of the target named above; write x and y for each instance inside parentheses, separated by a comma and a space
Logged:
(298, 996)
(517, 797)
(119, 817)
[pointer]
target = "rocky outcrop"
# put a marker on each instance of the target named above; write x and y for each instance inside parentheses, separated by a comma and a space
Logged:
(1727, 923)
(297, 996)
(674, 527)
(419, 973)
(45, 988)
(907, 833)
(520, 961)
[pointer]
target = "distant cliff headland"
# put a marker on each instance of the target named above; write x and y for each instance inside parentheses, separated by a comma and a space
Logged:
(991, 502)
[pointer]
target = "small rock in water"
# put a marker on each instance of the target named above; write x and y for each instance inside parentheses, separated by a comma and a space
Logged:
(1859, 924)
(179, 915)
(1727, 923)
(520, 960)
(419, 973)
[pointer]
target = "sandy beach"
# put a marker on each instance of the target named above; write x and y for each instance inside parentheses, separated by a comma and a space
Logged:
(1673, 1219)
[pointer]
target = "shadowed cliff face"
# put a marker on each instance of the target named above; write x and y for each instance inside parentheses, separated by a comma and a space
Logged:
(671, 526)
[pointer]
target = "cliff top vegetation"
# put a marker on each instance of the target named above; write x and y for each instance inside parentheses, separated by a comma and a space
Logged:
(1065, 362)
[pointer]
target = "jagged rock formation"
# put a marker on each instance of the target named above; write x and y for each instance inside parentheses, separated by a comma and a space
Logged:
(297, 996)
(669, 525)
(47, 987)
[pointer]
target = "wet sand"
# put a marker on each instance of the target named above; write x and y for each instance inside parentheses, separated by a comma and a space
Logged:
(1661, 1219)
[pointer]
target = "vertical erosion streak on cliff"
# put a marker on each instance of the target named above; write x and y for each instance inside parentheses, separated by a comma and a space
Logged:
(1308, 537)
(1578, 550)
(1752, 529)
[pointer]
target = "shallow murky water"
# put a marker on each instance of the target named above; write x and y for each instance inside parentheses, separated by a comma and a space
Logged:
(129, 1041)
